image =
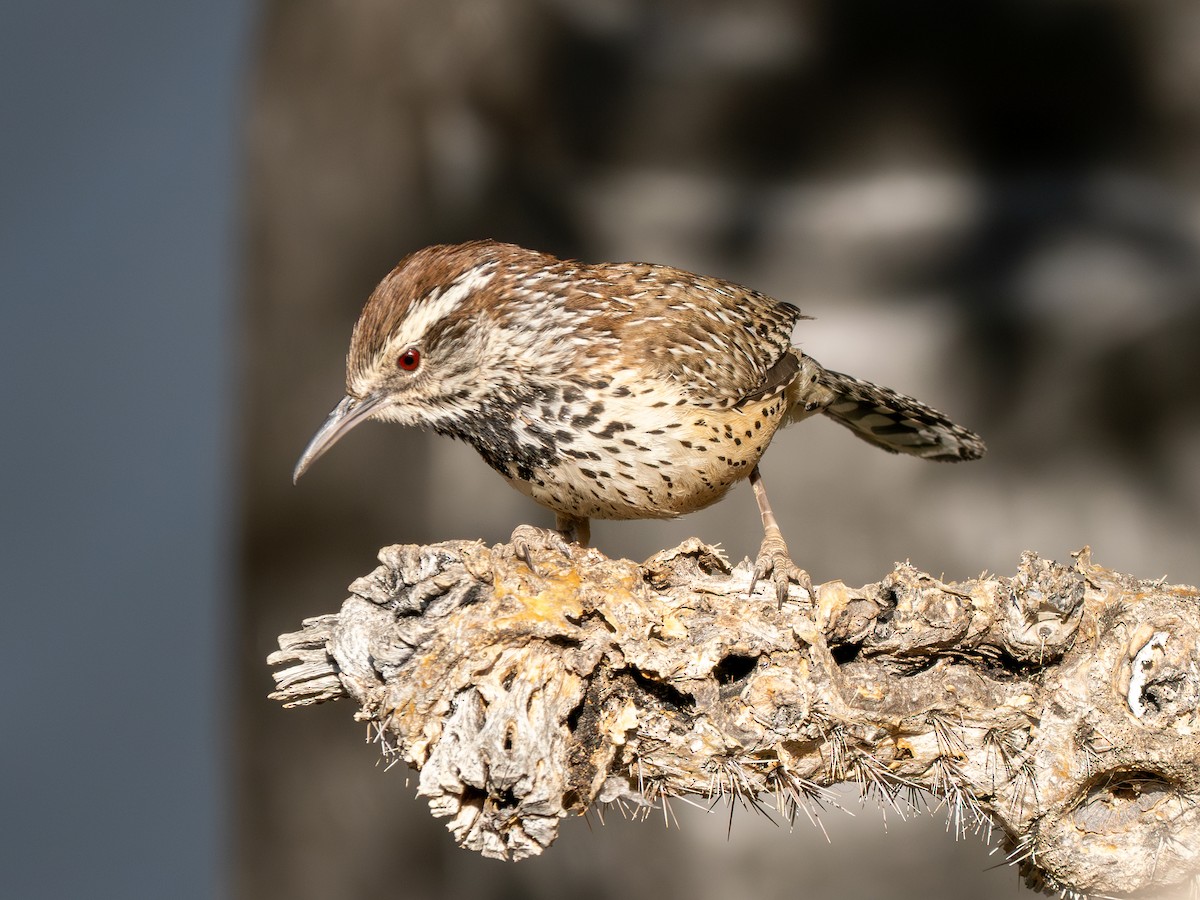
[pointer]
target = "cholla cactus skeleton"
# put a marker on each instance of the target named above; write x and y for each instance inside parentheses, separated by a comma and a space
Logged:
(1059, 705)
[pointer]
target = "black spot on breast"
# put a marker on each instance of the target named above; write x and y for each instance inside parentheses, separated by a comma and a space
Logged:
(493, 435)
(611, 430)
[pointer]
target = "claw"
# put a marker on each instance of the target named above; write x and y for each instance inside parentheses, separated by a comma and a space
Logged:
(522, 552)
(775, 563)
(526, 538)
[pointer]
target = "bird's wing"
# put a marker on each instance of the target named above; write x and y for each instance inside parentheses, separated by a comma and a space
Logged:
(720, 342)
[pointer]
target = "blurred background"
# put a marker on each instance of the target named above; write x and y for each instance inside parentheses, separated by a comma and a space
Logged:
(993, 206)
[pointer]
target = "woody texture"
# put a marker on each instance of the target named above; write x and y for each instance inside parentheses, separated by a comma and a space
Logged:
(1054, 711)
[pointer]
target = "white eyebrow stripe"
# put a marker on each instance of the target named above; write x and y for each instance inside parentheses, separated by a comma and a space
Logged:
(440, 304)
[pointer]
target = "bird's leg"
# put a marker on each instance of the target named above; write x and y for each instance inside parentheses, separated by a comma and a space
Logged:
(773, 559)
(573, 528)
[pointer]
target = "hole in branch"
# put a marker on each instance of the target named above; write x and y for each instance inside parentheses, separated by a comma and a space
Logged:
(734, 667)
(1118, 798)
(845, 653)
(666, 694)
(573, 717)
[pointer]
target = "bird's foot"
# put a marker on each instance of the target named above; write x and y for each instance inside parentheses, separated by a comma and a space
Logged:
(774, 562)
(528, 538)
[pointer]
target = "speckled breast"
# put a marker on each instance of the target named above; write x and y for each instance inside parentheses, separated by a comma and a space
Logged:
(629, 451)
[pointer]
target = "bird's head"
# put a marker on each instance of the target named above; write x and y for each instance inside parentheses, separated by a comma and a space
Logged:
(419, 345)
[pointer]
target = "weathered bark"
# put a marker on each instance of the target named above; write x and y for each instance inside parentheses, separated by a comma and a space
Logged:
(1059, 705)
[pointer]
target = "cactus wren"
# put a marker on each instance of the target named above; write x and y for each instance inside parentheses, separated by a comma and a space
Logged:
(610, 391)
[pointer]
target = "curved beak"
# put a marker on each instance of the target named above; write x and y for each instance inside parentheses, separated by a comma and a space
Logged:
(345, 416)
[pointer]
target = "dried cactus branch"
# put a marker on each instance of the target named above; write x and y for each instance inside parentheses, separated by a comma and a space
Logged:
(1059, 705)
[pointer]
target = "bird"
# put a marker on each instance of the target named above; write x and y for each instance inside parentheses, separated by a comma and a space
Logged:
(610, 390)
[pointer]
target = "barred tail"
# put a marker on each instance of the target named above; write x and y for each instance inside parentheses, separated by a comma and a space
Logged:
(897, 423)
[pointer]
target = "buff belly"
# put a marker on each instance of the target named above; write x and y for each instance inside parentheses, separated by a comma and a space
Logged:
(640, 462)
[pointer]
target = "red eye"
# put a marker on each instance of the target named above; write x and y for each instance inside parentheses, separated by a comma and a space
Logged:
(409, 360)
